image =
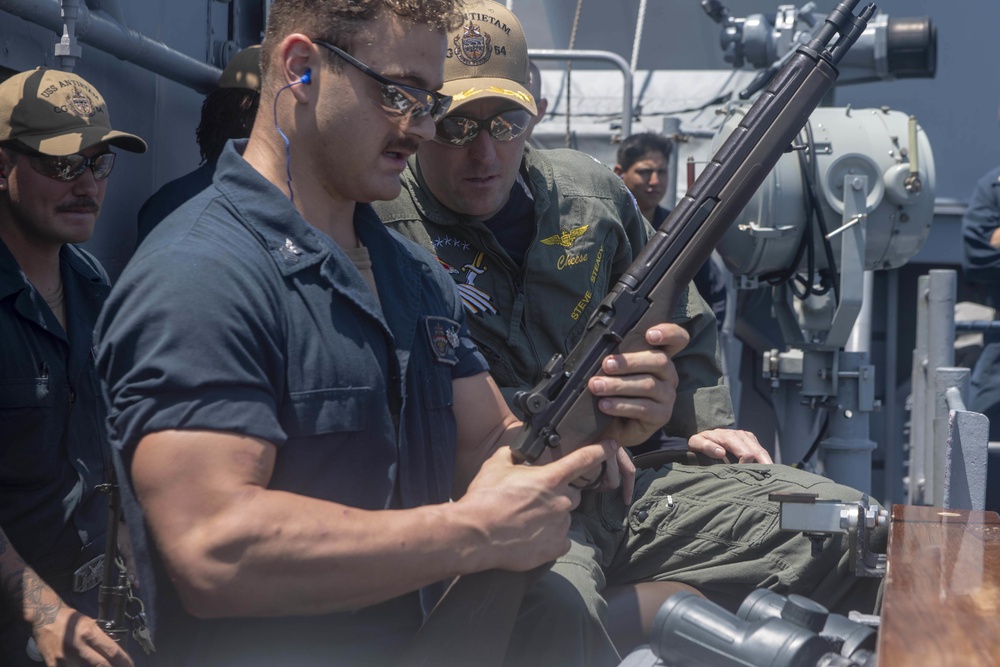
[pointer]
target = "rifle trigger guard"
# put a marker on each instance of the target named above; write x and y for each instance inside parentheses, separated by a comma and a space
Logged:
(594, 483)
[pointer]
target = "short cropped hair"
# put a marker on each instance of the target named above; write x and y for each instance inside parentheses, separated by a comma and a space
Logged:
(336, 21)
(637, 145)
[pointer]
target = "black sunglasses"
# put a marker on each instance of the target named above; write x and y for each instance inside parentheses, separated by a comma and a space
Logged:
(460, 130)
(399, 99)
(68, 167)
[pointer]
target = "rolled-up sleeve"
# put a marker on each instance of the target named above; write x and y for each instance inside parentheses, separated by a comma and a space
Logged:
(191, 351)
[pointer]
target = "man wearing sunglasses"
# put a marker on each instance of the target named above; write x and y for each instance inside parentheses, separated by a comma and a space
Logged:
(55, 159)
(293, 389)
(534, 239)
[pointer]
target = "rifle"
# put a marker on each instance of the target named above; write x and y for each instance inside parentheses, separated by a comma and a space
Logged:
(119, 613)
(112, 595)
(560, 413)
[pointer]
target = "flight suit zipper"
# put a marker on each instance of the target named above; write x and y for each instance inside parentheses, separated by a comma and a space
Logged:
(515, 276)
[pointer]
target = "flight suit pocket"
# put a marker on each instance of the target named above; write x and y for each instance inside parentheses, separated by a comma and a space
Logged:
(698, 510)
(335, 410)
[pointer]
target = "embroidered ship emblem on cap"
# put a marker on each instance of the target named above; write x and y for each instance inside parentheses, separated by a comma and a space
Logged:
(472, 47)
(80, 103)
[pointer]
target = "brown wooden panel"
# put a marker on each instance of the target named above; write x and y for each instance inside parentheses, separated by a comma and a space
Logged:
(942, 592)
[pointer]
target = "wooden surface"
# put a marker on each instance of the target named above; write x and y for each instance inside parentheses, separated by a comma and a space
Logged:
(941, 604)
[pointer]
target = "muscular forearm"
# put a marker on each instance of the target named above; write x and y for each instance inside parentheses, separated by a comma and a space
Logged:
(279, 554)
(23, 590)
(235, 547)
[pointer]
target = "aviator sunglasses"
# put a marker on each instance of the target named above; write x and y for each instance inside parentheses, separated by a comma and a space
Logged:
(460, 130)
(68, 167)
(399, 99)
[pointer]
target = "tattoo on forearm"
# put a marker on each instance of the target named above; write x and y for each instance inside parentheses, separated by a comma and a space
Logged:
(40, 603)
(42, 607)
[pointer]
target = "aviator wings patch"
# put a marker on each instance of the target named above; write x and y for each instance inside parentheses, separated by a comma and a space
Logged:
(566, 238)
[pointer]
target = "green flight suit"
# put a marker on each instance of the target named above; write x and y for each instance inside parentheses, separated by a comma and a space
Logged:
(709, 527)
(587, 232)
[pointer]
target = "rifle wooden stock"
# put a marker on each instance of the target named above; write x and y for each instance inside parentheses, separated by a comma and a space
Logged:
(560, 413)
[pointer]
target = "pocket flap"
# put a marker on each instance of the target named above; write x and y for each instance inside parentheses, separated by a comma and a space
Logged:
(336, 410)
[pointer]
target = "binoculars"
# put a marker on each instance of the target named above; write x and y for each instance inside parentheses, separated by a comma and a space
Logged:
(768, 630)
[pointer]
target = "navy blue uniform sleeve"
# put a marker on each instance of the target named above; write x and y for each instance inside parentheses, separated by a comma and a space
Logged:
(470, 360)
(191, 340)
(980, 260)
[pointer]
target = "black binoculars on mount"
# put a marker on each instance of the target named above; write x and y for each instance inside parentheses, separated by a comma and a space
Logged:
(768, 630)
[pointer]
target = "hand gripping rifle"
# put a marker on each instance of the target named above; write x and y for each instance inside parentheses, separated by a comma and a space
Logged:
(472, 623)
(561, 413)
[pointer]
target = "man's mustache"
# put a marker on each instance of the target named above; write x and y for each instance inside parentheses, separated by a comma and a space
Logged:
(82, 205)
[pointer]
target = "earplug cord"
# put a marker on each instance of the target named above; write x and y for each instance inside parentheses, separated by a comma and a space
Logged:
(288, 152)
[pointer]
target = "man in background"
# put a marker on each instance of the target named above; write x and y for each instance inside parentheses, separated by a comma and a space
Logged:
(981, 265)
(55, 158)
(226, 113)
(643, 165)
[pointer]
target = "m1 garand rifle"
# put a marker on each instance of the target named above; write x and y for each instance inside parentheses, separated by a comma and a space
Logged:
(561, 414)
(472, 622)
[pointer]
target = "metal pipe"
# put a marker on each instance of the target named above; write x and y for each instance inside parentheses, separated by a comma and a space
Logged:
(613, 58)
(916, 477)
(893, 440)
(67, 51)
(941, 290)
(672, 130)
(953, 396)
(119, 41)
(112, 8)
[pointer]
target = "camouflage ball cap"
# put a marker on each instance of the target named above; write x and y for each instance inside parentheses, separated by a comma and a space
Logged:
(58, 113)
(487, 57)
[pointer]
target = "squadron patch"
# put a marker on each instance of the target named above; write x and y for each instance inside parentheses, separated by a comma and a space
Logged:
(473, 46)
(443, 336)
(476, 301)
